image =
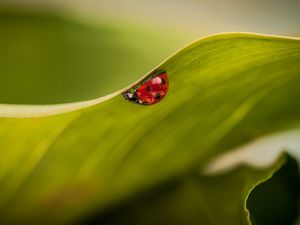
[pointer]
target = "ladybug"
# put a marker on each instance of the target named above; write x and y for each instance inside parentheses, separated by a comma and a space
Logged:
(149, 91)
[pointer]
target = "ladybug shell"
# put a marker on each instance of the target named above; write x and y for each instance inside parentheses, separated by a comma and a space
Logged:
(154, 90)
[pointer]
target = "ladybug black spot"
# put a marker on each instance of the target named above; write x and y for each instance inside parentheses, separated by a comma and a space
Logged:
(163, 81)
(157, 96)
(148, 88)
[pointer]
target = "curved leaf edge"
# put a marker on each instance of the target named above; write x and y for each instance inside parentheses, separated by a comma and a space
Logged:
(284, 165)
(168, 203)
(29, 111)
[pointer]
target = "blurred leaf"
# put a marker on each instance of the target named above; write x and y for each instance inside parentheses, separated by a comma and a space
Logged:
(277, 200)
(225, 90)
(220, 199)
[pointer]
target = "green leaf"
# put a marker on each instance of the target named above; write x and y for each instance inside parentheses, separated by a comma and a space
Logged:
(276, 201)
(225, 90)
(219, 199)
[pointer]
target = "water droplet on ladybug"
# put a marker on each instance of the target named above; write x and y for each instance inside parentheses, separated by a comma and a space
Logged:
(149, 91)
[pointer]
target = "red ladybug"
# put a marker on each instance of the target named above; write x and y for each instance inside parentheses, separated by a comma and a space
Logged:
(149, 91)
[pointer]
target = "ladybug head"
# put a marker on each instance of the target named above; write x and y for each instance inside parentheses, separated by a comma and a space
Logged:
(132, 97)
